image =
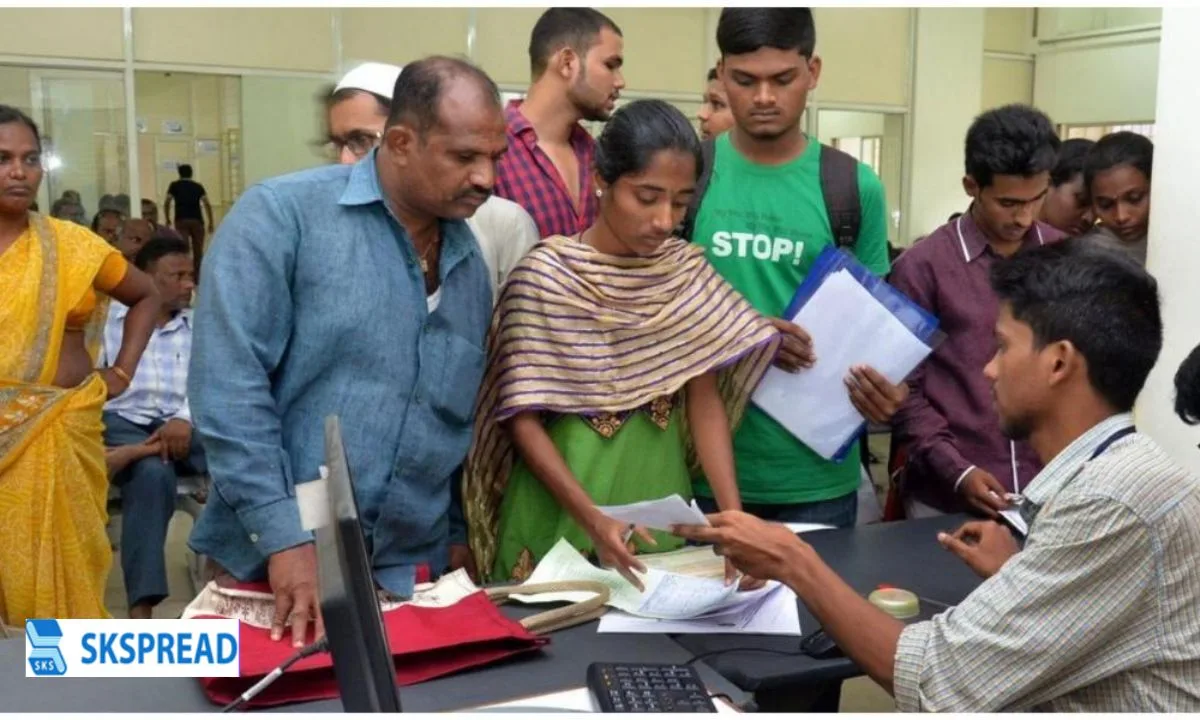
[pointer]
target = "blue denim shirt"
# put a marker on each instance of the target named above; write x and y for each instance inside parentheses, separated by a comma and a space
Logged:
(312, 302)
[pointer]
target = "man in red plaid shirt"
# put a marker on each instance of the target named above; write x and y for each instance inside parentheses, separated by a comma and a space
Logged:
(575, 56)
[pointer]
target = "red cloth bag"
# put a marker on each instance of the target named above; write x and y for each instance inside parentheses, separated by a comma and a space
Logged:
(426, 643)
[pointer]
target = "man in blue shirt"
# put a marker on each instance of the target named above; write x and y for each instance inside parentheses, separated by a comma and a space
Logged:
(355, 290)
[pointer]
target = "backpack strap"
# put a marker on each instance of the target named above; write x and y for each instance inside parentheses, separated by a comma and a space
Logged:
(839, 185)
(708, 150)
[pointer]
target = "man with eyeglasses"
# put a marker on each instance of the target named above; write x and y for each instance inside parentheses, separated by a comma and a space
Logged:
(356, 111)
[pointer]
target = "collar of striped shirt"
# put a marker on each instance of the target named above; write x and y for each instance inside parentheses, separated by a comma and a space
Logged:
(183, 318)
(520, 126)
(1060, 471)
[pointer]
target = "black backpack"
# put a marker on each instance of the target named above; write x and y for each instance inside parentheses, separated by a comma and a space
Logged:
(839, 186)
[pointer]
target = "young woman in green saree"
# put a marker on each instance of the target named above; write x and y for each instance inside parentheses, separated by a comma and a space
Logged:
(618, 362)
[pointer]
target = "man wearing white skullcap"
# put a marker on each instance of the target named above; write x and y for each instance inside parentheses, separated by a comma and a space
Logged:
(357, 110)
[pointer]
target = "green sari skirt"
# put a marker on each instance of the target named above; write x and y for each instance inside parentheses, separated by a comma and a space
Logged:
(641, 461)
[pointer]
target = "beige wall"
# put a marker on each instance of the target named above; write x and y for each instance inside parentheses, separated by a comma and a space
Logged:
(268, 38)
(271, 147)
(865, 54)
(86, 33)
(1098, 85)
(503, 49)
(1060, 21)
(1006, 81)
(946, 100)
(1009, 30)
(401, 35)
(1008, 64)
(14, 88)
(666, 49)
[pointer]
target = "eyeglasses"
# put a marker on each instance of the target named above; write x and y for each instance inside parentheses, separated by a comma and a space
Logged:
(358, 143)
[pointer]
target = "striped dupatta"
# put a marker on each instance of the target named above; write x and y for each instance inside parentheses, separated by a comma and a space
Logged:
(583, 333)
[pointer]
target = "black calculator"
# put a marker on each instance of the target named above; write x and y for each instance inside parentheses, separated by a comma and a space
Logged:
(641, 688)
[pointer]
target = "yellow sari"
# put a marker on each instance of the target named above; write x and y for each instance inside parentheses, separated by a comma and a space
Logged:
(54, 552)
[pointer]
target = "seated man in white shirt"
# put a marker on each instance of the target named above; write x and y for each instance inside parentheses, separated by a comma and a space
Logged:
(1098, 611)
(153, 412)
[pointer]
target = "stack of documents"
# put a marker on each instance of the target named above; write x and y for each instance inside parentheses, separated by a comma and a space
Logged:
(770, 611)
(682, 603)
(685, 589)
(854, 318)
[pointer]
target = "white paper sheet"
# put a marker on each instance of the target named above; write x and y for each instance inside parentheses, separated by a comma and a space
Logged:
(667, 595)
(658, 514)
(774, 613)
(564, 562)
(848, 327)
(670, 596)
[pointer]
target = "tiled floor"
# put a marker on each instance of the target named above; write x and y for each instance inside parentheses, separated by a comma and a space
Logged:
(859, 695)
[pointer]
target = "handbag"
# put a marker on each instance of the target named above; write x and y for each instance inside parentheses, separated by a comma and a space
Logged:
(447, 627)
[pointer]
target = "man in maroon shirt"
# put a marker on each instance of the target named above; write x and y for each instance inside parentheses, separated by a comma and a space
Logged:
(575, 56)
(957, 456)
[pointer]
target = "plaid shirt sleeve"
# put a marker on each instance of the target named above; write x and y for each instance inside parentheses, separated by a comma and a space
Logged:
(1056, 618)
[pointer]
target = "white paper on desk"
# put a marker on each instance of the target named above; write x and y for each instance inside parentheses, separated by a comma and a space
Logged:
(670, 596)
(774, 613)
(667, 595)
(848, 327)
(658, 514)
(564, 562)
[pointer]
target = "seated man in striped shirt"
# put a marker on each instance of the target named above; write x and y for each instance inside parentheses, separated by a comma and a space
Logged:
(1099, 611)
(149, 427)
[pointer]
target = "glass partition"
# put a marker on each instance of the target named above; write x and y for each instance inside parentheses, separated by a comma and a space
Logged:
(81, 115)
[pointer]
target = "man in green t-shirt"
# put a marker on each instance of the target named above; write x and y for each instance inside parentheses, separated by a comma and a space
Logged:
(763, 223)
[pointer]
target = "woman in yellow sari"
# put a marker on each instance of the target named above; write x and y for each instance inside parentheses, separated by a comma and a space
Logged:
(54, 553)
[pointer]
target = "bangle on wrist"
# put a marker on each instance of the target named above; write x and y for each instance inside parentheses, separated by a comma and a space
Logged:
(122, 374)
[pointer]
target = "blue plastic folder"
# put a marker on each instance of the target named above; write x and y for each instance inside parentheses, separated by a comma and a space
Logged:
(923, 325)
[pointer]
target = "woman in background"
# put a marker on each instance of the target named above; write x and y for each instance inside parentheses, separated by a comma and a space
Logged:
(1117, 173)
(1068, 206)
(614, 355)
(55, 555)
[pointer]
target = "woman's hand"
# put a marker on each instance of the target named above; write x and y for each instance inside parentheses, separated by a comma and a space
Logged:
(114, 381)
(611, 541)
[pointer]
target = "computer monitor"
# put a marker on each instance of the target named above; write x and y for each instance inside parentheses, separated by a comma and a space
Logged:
(358, 643)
